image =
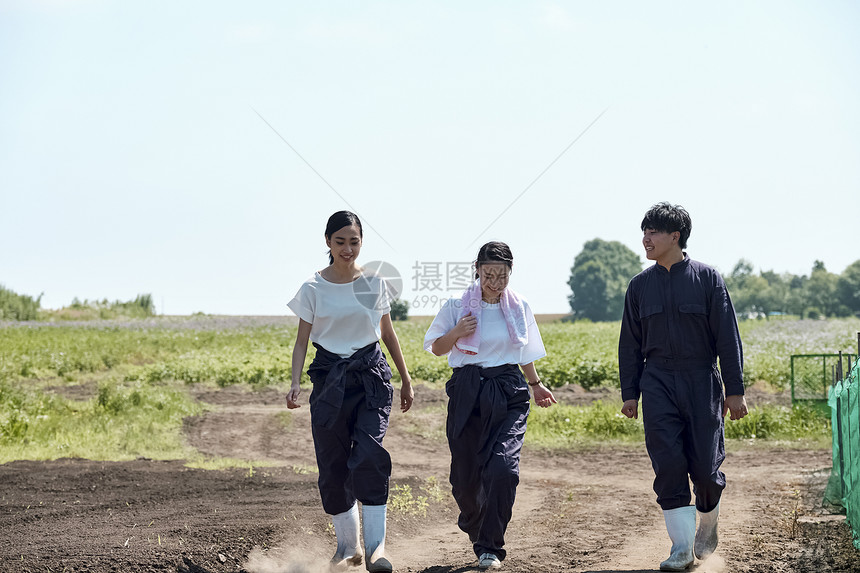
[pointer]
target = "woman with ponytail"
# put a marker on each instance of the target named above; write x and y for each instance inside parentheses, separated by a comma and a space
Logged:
(344, 312)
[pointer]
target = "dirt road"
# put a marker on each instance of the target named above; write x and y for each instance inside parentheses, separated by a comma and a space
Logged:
(590, 511)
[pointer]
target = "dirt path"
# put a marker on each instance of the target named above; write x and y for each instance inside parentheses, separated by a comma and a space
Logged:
(590, 511)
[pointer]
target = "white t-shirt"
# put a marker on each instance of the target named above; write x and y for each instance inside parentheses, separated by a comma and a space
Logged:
(496, 347)
(344, 317)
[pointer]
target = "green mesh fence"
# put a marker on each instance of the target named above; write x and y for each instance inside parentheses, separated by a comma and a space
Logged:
(811, 377)
(843, 489)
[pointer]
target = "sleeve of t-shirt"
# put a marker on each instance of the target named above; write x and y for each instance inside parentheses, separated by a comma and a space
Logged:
(445, 320)
(534, 348)
(304, 303)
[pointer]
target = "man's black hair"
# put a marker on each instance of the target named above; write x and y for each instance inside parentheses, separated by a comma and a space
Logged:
(668, 218)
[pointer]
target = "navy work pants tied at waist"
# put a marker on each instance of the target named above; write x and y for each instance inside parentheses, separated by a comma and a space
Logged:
(330, 374)
(485, 392)
(487, 413)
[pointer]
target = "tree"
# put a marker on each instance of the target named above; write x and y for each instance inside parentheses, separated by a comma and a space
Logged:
(796, 301)
(774, 299)
(598, 279)
(399, 310)
(848, 287)
(752, 295)
(736, 283)
(820, 291)
(14, 306)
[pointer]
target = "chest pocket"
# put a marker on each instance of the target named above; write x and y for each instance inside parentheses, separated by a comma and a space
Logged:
(650, 310)
(692, 309)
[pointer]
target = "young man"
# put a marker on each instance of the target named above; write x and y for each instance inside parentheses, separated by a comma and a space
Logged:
(678, 318)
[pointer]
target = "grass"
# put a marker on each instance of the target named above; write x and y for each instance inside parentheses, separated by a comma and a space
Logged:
(142, 369)
(573, 427)
(781, 423)
(401, 500)
(564, 426)
(195, 460)
(122, 422)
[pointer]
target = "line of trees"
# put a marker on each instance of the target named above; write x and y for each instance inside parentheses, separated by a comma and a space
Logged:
(601, 271)
(821, 294)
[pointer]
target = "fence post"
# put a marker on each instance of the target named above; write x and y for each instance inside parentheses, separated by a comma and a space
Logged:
(839, 366)
(841, 445)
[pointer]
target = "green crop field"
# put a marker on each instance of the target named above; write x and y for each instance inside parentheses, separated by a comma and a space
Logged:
(136, 372)
(228, 351)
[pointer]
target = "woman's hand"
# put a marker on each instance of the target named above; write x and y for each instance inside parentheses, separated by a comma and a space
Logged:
(300, 350)
(293, 397)
(407, 395)
(543, 395)
(465, 326)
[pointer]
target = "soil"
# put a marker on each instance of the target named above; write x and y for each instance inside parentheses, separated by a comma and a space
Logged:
(587, 511)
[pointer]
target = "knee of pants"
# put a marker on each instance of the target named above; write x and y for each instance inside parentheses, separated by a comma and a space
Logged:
(709, 483)
(370, 463)
(668, 462)
(501, 467)
(704, 474)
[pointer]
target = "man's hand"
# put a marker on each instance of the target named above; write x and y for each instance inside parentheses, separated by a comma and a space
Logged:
(737, 404)
(630, 408)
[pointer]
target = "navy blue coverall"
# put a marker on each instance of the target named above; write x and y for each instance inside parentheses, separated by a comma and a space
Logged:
(350, 406)
(487, 413)
(675, 324)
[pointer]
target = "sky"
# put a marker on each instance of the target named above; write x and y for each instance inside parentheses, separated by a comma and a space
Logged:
(195, 150)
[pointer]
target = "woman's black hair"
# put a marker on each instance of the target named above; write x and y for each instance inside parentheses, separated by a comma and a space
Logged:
(668, 218)
(337, 222)
(494, 252)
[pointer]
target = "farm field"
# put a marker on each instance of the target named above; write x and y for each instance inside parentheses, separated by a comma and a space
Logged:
(196, 466)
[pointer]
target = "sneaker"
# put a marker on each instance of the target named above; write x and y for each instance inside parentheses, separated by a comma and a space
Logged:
(489, 561)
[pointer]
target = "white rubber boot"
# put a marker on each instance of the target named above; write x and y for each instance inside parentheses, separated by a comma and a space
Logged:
(681, 525)
(346, 528)
(706, 535)
(373, 525)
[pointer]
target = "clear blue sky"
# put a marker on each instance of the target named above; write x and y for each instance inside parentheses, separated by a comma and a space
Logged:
(133, 159)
